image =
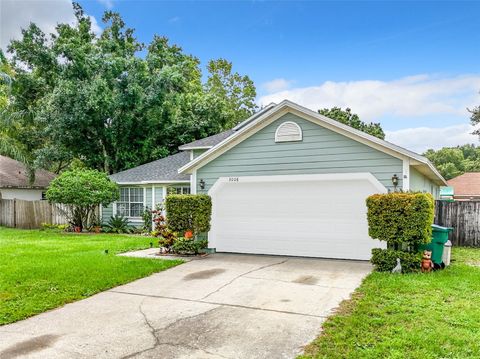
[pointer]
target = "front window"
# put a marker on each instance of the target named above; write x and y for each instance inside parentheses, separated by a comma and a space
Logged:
(131, 202)
(179, 190)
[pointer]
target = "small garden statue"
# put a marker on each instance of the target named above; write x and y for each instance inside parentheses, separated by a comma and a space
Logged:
(427, 264)
(398, 267)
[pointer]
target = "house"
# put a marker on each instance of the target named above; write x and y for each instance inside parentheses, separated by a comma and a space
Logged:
(466, 187)
(286, 181)
(14, 182)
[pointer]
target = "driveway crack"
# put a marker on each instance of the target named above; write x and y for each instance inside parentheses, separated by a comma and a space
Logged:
(241, 275)
(154, 333)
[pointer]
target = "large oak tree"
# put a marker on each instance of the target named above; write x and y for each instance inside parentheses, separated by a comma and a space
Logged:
(114, 102)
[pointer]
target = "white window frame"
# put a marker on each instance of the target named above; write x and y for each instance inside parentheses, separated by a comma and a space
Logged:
(299, 129)
(183, 189)
(143, 196)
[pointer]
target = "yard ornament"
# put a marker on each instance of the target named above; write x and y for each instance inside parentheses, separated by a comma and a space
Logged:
(398, 267)
(427, 264)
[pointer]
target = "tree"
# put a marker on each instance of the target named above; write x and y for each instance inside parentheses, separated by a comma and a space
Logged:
(475, 119)
(9, 146)
(82, 191)
(77, 95)
(237, 92)
(454, 161)
(351, 119)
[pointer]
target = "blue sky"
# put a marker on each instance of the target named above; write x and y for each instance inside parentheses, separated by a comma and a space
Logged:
(413, 66)
(311, 42)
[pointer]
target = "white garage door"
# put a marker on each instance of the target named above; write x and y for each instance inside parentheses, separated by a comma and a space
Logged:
(301, 215)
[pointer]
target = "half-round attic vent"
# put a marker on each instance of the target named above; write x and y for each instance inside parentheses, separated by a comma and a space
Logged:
(287, 132)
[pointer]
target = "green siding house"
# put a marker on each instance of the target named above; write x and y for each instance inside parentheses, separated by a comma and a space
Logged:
(286, 181)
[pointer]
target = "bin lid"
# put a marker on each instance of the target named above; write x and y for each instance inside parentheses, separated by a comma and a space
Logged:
(437, 228)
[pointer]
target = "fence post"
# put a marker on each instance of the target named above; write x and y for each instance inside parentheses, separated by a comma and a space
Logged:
(14, 213)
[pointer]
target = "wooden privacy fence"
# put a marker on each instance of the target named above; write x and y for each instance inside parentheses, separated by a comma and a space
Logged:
(17, 213)
(464, 217)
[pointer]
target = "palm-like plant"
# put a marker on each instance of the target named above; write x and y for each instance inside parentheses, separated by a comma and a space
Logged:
(9, 146)
(118, 224)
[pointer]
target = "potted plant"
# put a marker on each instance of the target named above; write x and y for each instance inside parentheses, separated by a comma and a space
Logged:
(95, 226)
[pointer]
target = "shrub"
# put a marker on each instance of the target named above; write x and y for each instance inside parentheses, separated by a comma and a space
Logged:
(189, 246)
(118, 224)
(56, 227)
(189, 212)
(400, 218)
(147, 217)
(385, 260)
(82, 191)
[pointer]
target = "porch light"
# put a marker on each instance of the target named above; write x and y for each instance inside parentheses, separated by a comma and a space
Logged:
(395, 180)
(202, 184)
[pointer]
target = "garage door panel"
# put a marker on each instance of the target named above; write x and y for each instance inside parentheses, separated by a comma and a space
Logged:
(306, 216)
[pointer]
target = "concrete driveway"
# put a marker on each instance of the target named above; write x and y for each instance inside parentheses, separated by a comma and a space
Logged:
(222, 306)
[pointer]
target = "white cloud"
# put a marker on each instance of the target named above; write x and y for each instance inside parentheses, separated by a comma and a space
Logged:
(276, 85)
(411, 96)
(18, 14)
(95, 26)
(107, 3)
(174, 19)
(421, 139)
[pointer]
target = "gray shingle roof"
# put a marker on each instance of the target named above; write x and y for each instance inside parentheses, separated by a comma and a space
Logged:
(165, 169)
(14, 174)
(207, 141)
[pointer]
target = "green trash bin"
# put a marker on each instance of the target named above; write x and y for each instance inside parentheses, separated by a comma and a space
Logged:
(439, 238)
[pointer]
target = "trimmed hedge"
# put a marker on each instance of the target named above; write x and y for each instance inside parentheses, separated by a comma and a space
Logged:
(385, 260)
(188, 212)
(401, 218)
(189, 246)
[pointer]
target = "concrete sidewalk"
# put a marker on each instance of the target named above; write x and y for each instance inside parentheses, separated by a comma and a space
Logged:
(223, 306)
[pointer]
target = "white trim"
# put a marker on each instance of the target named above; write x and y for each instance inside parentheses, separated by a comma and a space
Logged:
(299, 129)
(406, 175)
(193, 182)
(254, 116)
(153, 204)
(153, 197)
(135, 219)
(191, 155)
(151, 182)
(287, 106)
(300, 178)
(144, 197)
(164, 194)
(185, 148)
(114, 209)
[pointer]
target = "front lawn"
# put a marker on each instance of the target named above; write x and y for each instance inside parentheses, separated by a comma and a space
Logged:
(41, 270)
(421, 316)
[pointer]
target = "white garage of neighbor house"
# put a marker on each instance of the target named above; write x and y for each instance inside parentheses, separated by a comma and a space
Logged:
(288, 181)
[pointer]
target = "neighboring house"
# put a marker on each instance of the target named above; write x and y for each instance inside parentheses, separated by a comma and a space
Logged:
(14, 183)
(466, 187)
(286, 181)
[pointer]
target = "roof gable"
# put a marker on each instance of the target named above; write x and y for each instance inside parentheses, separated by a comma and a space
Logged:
(288, 107)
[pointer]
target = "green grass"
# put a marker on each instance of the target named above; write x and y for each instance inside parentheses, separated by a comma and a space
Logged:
(41, 270)
(434, 315)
